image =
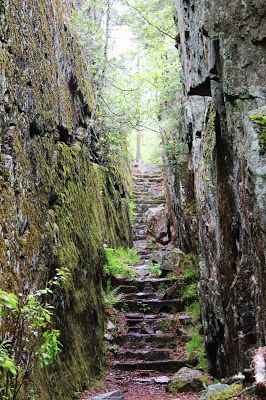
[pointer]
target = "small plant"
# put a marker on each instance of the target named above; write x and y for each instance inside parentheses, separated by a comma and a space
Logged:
(50, 348)
(188, 263)
(163, 287)
(261, 120)
(194, 310)
(33, 395)
(117, 260)
(190, 273)
(155, 269)
(191, 207)
(173, 276)
(144, 307)
(195, 349)
(110, 296)
(190, 292)
(151, 246)
(166, 324)
(124, 306)
(128, 255)
(27, 336)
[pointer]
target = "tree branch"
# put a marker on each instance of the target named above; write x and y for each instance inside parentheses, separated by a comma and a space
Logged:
(148, 22)
(122, 90)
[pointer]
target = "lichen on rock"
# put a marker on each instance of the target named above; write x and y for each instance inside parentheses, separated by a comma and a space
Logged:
(223, 59)
(57, 206)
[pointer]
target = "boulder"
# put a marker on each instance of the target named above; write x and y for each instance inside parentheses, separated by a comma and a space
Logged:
(187, 380)
(213, 391)
(157, 223)
(171, 293)
(115, 395)
(171, 260)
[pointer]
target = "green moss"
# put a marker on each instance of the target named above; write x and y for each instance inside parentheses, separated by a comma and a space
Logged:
(196, 349)
(62, 208)
(227, 394)
(188, 264)
(261, 120)
(190, 292)
(194, 310)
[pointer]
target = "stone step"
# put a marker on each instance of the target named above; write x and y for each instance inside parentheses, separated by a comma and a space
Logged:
(149, 203)
(141, 340)
(137, 179)
(158, 365)
(140, 316)
(139, 227)
(134, 329)
(142, 270)
(127, 289)
(142, 192)
(148, 176)
(147, 355)
(137, 230)
(140, 262)
(140, 319)
(151, 198)
(140, 284)
(140, 296)
(139, 237)
(154, 306)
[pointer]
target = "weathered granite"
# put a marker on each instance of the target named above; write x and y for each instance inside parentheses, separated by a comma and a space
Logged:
(57, 205)
(222, 47)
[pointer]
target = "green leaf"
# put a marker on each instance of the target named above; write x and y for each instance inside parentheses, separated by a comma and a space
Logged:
(9, 365)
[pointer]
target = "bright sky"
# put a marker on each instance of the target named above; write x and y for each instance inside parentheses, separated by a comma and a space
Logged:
(122, 37)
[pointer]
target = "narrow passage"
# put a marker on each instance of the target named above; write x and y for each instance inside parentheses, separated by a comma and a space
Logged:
(152, 329)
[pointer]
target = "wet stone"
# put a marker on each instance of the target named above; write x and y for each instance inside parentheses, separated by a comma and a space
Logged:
(115, 395)
(162, 380)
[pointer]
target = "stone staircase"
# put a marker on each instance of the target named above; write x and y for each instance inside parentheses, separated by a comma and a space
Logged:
(151, 337)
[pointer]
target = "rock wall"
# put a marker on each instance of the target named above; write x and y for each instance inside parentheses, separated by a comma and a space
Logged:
(222, 47)
(57, 205)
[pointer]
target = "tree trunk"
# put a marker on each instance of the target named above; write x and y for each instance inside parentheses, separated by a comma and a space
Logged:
(138, 155)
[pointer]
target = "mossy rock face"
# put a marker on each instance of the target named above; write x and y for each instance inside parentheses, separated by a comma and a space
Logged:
(187, 380)
(221, 391)
(57, 207)
(259, 117)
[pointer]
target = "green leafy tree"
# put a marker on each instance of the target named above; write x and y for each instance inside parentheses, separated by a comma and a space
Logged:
(135, 90)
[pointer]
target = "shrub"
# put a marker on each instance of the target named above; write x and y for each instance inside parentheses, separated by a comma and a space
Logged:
(117, 260)
(27, 323)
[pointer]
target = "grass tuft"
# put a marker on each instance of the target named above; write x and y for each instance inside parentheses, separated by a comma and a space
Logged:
(117, 260)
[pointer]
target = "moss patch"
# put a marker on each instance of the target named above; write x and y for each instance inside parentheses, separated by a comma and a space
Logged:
(227, 394)
(261, 120)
